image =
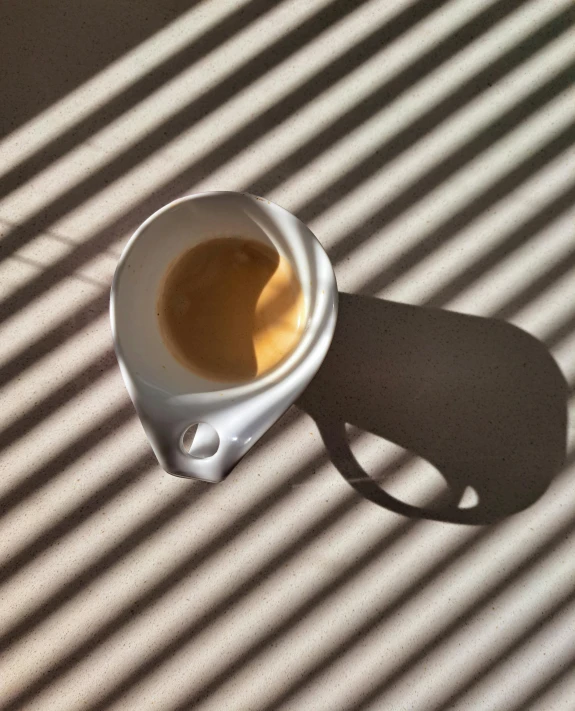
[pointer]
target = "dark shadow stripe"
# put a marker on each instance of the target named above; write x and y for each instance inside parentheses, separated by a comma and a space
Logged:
(560, 331)
(417, 190)
(42, 346)
(529, 565)
(42, 476)
(388, 92)
(185, 58)
(505, 247)
(125, 479)
(321, 666)
(509, 649)
(121, 484)
(565, 671)
(184, 569)
(40, 410)
(182, 120)
(47, 50)
(538, 286)
(450, 228)
(188, 634)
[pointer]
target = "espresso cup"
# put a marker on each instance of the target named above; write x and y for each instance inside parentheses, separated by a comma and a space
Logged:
(176, 405)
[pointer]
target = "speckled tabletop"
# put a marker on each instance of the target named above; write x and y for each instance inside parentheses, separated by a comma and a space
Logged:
(403, 538)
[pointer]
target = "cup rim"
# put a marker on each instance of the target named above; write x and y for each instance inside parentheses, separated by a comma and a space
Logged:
(310, 340)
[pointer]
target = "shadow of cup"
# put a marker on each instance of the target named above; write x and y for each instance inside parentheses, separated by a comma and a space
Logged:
(480, 400)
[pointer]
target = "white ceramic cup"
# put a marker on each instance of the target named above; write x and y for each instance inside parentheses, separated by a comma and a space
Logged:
(168, 397)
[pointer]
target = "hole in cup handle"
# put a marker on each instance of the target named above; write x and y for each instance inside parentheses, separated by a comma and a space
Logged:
(200, 450)
(200, 440)
(191, 446)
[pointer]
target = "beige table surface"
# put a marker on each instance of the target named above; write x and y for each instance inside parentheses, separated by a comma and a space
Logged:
(430, 563)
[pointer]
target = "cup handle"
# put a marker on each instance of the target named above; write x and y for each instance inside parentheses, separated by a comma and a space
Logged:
(222, 437)
(206, 454)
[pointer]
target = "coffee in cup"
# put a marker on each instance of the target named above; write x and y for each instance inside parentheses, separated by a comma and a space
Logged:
(230, 309)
